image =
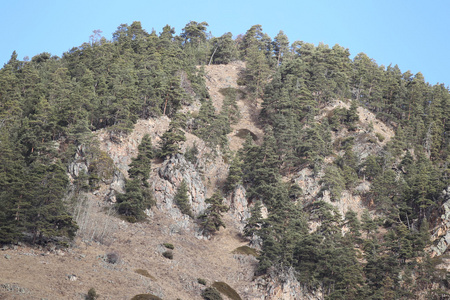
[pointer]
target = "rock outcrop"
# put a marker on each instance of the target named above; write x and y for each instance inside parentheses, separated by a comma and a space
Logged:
(311, 187)
(166, 182)
(238, 205)
(79, 163)
(281, 285)
(441, 234)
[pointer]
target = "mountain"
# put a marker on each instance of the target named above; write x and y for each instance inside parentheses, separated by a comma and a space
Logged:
(198, 167)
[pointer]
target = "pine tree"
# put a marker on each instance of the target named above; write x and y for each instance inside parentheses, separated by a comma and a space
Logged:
(211, 219)
(333, 182)
(182, 199)
(134, 201)
(354, 225)
(141, 165)
(367, 223)
(235, 174)
(171, 138)
(257, 71)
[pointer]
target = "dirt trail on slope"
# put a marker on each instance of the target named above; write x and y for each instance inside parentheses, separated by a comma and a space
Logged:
(41, 273)
(37, 273)
(224, 76)
(366, 118)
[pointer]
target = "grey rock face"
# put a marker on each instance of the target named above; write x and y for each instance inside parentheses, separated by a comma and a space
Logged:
(79, 163)
(238, 205)
(281, 285)
(167, 180)
(442, 232)
(116, 186)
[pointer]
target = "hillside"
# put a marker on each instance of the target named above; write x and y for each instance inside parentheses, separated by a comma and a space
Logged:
(192, 166)
(37, 273)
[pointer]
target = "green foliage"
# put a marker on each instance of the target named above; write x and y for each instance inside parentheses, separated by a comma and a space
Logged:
(171, 139)
(50, 106)
(380, 137)
(145, 297)
(213, 128)
(234, 177)
(141, 165)
(181, 199)
(223, 49)
(134, 201)
(169, 246)
(255, 221)
(257, 71)
(229, 105)
(226, 290)
(101, 167)
(112, 258)
(145, 273)
(191, 154)
(33, 204)
(168, 254)
(137, 196)
(92, 294)
(245, 250)
(333, 182)
(342, 116)
(211, 219)
(211, 293)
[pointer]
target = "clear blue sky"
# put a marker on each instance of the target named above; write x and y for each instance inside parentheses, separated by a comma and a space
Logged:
(413, 34)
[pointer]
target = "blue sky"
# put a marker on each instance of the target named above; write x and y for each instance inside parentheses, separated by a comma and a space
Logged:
(413, 34)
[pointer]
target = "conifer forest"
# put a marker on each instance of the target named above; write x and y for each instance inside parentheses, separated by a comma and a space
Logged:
(51, 107)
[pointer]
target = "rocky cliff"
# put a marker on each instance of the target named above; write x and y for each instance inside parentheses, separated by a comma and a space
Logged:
(441, 234)
(195, 258)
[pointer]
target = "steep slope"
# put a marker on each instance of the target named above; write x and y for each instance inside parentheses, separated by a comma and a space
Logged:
(42, 273)
(225, 76)
(108, 251)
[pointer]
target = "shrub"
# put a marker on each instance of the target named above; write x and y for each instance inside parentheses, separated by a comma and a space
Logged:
(245, 250)
(201, 281)
(211, 294)
(380, 137)
(182, 200)
(191, 154)
(169, 246)
(112, 258)
(101, 167)
(145, 297)
(145, 273)
(227, 290)
(92, 294)
(168, 254)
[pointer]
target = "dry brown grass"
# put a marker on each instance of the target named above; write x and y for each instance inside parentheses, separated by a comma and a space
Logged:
(44, 274)
(41, 273)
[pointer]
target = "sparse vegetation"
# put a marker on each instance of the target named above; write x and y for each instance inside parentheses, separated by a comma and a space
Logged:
(191, 154)
(50, 107)
(168, 254)
(226, 290)
(211, 293)
(92, 294)
(112, 258)
(201, 281)
(145, 273)
(380, 137)
(169, 246)
(245, 250)
(145, 297)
